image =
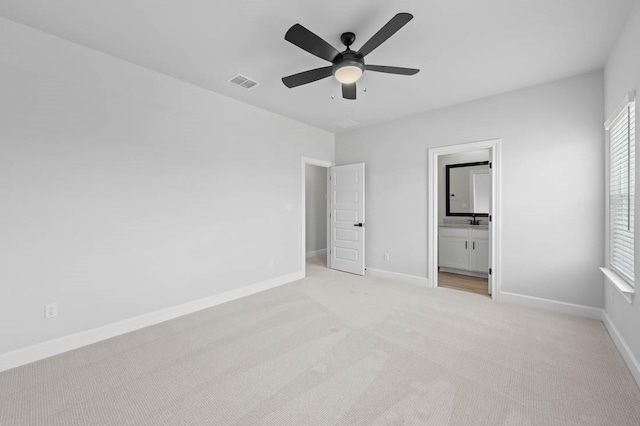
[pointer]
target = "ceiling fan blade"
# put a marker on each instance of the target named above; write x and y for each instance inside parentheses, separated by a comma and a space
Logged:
(397, 22)
(305, 39)
(349, 91)
(392, 70)
(305, 77)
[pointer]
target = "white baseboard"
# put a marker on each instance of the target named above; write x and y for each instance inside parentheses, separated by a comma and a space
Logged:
(315, 253)
(623, 348)
(73, 341)
(396, 276)
(551, 305)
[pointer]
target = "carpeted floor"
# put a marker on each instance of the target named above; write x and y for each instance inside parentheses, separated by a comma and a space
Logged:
(336, 348)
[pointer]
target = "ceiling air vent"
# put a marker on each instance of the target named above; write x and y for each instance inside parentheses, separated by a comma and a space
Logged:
(347, 123)
(242, 81)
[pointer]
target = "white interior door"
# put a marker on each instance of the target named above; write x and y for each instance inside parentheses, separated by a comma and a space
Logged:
(347, 218)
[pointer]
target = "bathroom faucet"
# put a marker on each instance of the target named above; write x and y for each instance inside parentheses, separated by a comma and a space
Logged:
(474, 220)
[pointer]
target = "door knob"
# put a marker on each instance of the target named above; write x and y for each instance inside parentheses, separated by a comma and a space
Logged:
(358, 225)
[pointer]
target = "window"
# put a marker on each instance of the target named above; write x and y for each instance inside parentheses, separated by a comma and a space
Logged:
(621, 130)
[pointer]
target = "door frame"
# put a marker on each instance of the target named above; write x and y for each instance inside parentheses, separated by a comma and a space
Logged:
(303, 208)
(494, 146)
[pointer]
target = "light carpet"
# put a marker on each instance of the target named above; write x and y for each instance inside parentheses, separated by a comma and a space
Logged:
(336, 348)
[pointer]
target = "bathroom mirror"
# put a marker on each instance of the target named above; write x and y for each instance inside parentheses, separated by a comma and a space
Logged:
(468, 188)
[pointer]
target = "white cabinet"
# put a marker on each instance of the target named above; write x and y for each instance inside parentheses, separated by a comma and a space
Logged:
(479, 253)
(453, 249)
(464, 250)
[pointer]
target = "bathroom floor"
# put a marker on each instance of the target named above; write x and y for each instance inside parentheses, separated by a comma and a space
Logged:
(464, 283)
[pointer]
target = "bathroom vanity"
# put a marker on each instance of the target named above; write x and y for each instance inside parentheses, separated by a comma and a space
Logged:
(464, 249)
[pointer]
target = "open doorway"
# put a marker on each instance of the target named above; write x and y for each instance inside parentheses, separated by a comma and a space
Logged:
(315, 212)
(464, 194)
(464, 217)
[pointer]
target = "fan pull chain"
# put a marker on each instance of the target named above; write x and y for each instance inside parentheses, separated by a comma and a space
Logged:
(336, 86)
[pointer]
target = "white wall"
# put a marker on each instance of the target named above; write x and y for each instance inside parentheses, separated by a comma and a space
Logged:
(443, 162)
(622, 74)
(125, 191)
(552, 174)
(316, 208)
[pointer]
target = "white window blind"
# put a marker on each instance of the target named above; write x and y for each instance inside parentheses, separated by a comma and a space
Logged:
(622, 192)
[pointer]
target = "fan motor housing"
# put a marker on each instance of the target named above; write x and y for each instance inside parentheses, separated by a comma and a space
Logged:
(348, 38)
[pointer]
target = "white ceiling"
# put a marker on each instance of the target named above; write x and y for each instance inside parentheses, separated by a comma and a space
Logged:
(466, 49)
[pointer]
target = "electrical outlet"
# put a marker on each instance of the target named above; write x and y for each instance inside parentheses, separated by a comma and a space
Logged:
(386, 255)
(50, 310)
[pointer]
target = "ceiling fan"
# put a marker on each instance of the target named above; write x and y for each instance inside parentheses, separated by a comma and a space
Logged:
(348, 66)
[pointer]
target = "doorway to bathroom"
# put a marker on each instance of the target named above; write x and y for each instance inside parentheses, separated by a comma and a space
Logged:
(464, 192)
(463, 217)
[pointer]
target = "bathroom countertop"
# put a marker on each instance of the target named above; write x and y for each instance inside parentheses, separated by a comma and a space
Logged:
(463, 225)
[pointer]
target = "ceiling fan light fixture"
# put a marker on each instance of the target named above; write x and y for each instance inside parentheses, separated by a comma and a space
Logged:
(348, 66)
(348, 73)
